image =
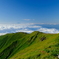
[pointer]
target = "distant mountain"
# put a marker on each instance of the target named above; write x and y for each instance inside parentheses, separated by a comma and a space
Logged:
(36, 45)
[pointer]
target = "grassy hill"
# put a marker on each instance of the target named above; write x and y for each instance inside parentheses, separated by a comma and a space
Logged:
(36, 45)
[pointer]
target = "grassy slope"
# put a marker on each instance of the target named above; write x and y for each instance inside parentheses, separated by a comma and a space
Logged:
(36, 45)
(8, 43)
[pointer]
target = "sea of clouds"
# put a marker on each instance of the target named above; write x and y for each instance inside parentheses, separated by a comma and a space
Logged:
(28, 27)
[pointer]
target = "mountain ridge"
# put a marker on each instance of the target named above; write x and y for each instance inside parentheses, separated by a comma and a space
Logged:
(36, 45)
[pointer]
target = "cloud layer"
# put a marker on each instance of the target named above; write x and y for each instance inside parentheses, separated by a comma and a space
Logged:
(30, 27)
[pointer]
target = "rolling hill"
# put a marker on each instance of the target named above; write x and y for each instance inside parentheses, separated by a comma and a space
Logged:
(36, 45)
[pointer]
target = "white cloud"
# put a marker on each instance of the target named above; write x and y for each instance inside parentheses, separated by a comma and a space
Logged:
(34, 26)
(28, 27)
(2, 34)
(24, 30)
(46, 30)
(17, 26)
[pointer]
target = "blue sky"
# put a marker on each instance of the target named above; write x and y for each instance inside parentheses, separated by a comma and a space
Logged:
(29, 11)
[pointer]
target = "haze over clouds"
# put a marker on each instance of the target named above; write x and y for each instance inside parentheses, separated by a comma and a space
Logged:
(29, 27)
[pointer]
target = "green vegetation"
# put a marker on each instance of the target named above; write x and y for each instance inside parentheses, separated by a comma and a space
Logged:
(36, 45)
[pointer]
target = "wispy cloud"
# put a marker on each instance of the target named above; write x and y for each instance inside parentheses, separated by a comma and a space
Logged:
(27, 19)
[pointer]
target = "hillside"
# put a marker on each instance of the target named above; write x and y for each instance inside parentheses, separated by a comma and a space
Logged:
(36, 45)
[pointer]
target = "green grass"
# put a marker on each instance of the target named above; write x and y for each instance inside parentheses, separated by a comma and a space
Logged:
(36, 45)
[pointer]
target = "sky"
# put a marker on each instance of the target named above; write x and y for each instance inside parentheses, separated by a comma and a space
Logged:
(29, 15)
(29, 11)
